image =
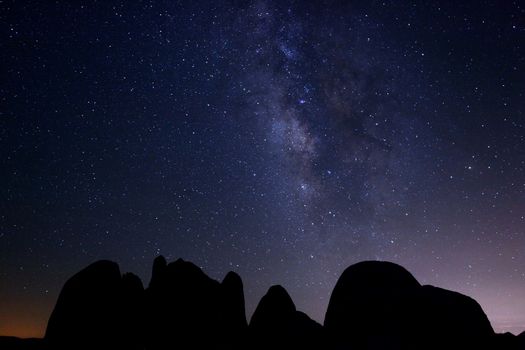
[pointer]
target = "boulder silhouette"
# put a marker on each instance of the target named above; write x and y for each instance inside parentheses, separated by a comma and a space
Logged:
(233, 303)
(377, 305)
(89, 311)
(370, 306)
(158, 272)
(274, 307)
(276, 324)
(187, 308)
(450, 320)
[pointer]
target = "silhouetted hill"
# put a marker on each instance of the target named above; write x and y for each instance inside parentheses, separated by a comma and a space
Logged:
(14, 343)
(276, 324)
(234, 307)
(450, 320)
(186, 307)
(368, 306)
(158, 273)
(378, 305)
(374, 305)
(89, 310)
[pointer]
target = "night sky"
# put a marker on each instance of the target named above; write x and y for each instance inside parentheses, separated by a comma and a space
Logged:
(281, 140)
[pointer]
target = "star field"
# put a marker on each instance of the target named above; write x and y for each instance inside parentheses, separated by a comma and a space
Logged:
(284, 140)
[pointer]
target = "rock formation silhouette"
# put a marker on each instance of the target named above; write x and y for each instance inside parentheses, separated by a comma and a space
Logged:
(368, 306)
(234, 314)
(14, 343)
(186, 307)
(379, 305)
(276, 324)
(88, 310)
(374, 305)
(450, 320)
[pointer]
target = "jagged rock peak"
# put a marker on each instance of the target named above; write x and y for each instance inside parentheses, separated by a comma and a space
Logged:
(275, 304)
(232, 278)
(158, 271)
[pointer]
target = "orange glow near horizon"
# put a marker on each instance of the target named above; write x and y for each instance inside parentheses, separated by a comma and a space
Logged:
(24, 320)
(22, 330)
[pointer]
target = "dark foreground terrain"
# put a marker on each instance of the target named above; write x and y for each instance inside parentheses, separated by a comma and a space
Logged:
(374, 305)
